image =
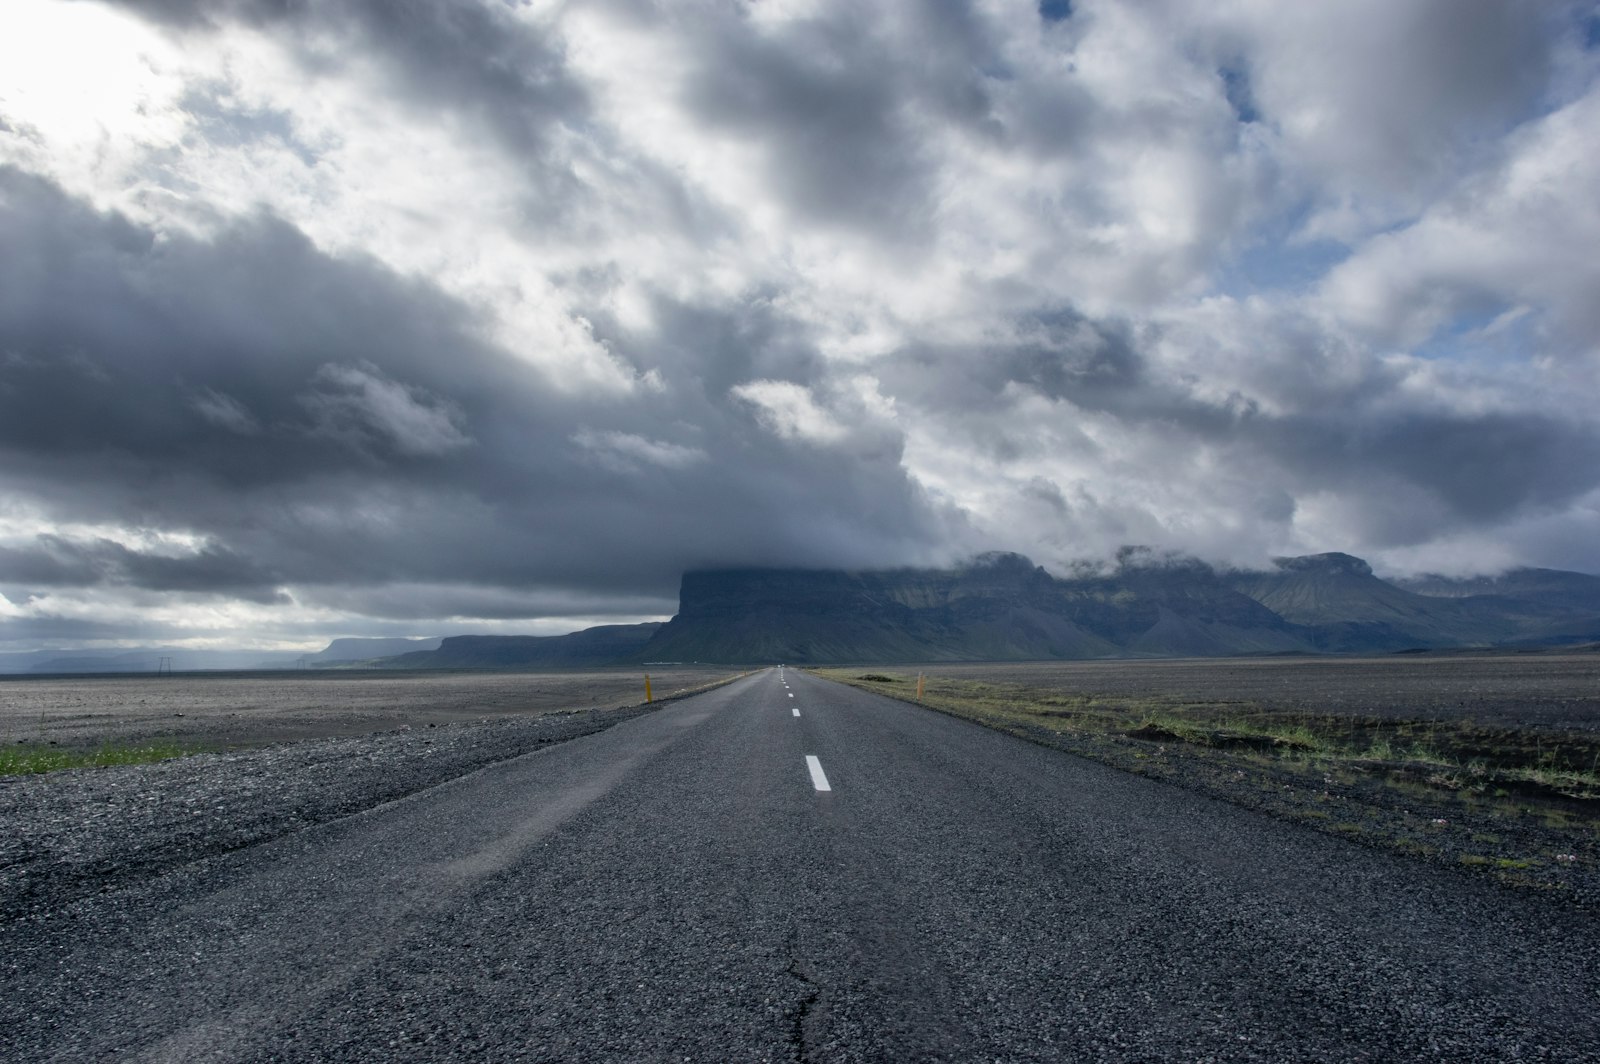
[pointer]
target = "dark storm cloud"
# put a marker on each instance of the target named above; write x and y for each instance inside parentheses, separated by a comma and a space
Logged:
(337, 425)
(213, 356)
(1480, 467)
(840, 150)
(1068, 356)
(1062, 355)
(714, 348)
(1408, 467)
(54, 628)
(55, 561)
(403, 601)
(840, 105)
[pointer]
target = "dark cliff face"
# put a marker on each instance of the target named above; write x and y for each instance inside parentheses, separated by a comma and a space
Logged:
(609, 644)
(1347, 608)
(1000, 607)
(1003, 607)
(1333, 564)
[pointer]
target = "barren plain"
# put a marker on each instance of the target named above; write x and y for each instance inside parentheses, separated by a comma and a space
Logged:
(1544, 691)
(1487, 762)
(233, 710)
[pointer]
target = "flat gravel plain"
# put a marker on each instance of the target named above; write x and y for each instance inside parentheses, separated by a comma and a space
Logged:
(86, 831)
(1545, 691)
(251, 709)
(677, 887)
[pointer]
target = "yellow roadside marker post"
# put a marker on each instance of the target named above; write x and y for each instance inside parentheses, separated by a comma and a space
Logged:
(919, 687)
(647, 697)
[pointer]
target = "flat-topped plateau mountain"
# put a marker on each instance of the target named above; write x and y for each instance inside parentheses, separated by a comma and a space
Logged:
(607, 644)
(1002, 607)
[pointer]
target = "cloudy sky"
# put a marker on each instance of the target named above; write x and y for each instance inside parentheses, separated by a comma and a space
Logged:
(337, 317)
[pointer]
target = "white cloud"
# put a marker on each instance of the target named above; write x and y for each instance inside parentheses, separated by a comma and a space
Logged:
(790, 411)
(1517, 236)
(360, 399)
(626, 452)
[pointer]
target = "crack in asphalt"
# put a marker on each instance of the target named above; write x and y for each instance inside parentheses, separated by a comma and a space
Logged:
(799, 1052)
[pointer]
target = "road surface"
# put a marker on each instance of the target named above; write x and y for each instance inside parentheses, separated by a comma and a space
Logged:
(785, 869)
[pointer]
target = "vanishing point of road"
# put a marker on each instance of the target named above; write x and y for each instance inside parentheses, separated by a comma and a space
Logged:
(785, 869)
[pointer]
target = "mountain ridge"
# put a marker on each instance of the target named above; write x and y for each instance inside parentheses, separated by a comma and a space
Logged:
(1003, 607)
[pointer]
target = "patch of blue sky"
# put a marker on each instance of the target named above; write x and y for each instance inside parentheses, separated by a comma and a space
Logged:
(1055, 10)
(225, 122)
(1279, 266)
(1241, 97)
(1487, 333)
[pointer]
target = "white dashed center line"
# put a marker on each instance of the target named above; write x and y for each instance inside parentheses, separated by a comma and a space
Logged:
(797, 711)
(818, 780)
(791, 694)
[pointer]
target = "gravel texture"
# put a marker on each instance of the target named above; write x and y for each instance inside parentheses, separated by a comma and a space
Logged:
(72, 833)
(229, 710)
(1542, 692)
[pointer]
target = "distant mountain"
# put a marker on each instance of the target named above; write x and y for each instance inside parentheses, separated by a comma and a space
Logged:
(1543, 605)
(143, 659)
(1344, 607)
(609, 644)
(1547, 587)
(342, 651)
(1003, 607)
(1000, 608)
(85, 663)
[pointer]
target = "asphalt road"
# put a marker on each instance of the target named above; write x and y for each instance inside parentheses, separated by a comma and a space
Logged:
(679, 888)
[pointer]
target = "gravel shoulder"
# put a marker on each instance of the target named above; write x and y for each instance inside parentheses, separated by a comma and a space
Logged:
(232, 710)
(65, 835)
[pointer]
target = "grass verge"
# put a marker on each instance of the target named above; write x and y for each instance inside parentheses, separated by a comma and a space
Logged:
(1521, 806)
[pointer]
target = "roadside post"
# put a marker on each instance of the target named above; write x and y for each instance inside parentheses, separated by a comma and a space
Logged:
(919, 687)
(647, 697)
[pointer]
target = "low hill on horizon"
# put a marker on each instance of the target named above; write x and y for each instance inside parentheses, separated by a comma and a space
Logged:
(352, 649)
(607, 644)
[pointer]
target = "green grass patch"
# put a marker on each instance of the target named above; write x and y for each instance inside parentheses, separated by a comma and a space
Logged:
(32, 760)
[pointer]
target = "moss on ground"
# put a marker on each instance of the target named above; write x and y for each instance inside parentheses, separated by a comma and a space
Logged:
(29, 760)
